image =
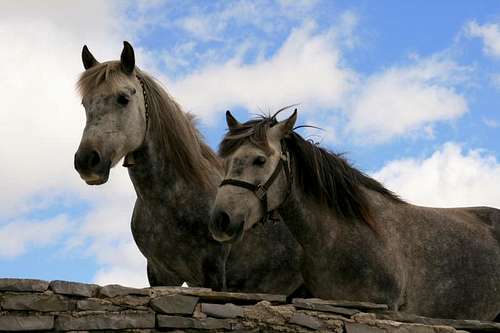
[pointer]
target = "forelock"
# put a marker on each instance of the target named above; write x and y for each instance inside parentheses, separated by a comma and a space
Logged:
(107, 72)
(251, 132)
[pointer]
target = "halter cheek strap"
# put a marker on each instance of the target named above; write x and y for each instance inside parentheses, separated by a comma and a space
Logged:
(260, 190)
(129, 159)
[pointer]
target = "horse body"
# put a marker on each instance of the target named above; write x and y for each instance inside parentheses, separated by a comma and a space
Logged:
(435, 262)
(452, 260)
(175, 176)
(361, 242)
(167, 225)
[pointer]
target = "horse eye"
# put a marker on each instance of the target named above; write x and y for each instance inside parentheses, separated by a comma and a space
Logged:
(122, 99)
(259, 160)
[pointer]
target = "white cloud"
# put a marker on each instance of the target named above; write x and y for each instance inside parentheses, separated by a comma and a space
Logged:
(263, 15)
(495, 80)
(18, 235)
(492, 123)
(128, 266)
(306, 69)
(405, 100)
(107, 226)
(42, 117)
(309, 68)
(490, 35)
(41, 123)
(450, 177)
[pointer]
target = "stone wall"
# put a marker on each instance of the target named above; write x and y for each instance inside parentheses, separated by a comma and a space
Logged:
(35, 305)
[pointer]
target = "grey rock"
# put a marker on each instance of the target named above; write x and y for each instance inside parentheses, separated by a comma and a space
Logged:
(364, 317)
(324, 308)
(26, 323)
(362, 328)
(343, 304)
(174, 304)
(165, 321)
(33, 285)
(37, 302)
(130, 301)
(473, 325)
(106, 321)
(161, 291)
(113, 290)
(304, 320)
(96, 304)
(74, 288)
(222, 310)
(408, 328)
(197, 312)
(229, 297)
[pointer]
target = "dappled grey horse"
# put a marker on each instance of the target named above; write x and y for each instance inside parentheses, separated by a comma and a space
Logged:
(361, 242)
(175, 176)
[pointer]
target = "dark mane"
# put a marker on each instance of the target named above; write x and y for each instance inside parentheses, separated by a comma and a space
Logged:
(171, 129)
(319, 173)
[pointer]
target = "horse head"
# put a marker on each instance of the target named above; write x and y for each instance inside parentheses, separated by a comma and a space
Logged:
(257, 175)
(116, 110)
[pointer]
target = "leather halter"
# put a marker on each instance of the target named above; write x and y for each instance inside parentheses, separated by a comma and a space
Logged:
(260, 190)
(129, 159)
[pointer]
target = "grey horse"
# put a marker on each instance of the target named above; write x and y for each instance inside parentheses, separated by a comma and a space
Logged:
(361, 242)
(175, 176)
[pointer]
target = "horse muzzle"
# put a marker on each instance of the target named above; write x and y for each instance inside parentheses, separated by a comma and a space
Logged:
(92, 167)
(224, 229)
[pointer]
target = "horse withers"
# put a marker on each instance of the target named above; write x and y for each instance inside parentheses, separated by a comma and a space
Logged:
(175, 176)
(361, 242)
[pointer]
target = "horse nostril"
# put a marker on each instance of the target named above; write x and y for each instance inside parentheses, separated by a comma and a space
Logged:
(93, 160)
(223, 221)
(86, 160)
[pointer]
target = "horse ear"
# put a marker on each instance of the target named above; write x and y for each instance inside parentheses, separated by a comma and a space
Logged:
(87, 58)
(127, 58)
(231, 121)
(286, 126)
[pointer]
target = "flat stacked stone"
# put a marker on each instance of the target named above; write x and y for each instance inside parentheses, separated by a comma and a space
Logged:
(35, 323)
(106, 321)
(222, 310)
(37, 302)
(29, 285)
(165, 321)
(226, 297)
(74, 288)
(174, 304)
(113, 290)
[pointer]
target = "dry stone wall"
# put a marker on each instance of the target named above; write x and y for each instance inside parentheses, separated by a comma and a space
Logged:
(61, 306)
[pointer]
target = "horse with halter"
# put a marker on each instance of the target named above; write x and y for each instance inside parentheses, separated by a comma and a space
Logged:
(361, 241)
(175, 176)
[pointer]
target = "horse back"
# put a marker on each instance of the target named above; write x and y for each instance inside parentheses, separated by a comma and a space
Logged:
(489, 216)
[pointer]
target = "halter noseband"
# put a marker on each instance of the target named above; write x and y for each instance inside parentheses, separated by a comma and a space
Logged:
(129, 159)
(260, 190)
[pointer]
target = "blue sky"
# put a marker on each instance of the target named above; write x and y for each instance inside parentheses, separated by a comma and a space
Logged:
(409, 90)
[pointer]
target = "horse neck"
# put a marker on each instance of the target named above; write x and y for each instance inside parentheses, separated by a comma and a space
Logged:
(300, 216)
(156, 180)
(315, 226)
